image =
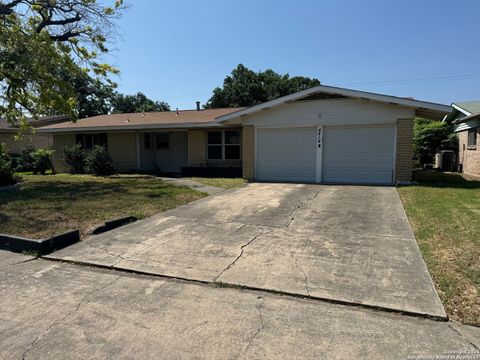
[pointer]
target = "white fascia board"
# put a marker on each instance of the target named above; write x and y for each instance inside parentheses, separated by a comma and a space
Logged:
(131, 127)
(416, 104)
(462, 110)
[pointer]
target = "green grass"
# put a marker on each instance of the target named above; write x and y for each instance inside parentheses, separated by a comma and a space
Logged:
(444, 210)
(226, 183)
(49, 204)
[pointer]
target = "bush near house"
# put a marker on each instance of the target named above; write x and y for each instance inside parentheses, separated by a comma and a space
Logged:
(429, 137)
(75, 158)
(99, 162)
(42, 161)
(25, 159)
(7, 174)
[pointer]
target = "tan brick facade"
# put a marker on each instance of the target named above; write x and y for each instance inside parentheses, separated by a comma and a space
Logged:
(59, 142)
(469, 158)
(248, 151)
(197, 147)
(121, 146)
(123, 150)
(404, 155)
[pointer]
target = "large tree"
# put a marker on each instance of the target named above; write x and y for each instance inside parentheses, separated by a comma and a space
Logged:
(137, 103)
(37, 38)
(245, 87)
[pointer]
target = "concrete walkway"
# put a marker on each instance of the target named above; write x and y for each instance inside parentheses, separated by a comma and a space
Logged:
(347, 244)
(53, 310)
(192, 184)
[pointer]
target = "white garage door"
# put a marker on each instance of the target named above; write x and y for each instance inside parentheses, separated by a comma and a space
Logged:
(286, 154)
(360, 154)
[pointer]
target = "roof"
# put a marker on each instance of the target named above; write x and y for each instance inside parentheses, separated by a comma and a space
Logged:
(468, 107)
(147, 120)
(423, 108)
(43, 121)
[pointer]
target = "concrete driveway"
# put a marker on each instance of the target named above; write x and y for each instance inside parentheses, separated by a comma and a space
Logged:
(53, 310)
(347, 244)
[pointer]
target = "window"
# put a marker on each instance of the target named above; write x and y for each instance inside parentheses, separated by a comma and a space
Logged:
(147, 141)
(163, 140)
(89, 141)
(223, 145)
(472, 139)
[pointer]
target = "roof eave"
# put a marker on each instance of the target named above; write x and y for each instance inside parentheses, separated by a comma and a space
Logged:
(138, 127)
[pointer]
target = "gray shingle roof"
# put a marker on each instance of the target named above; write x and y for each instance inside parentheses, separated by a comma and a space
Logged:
(472, 107)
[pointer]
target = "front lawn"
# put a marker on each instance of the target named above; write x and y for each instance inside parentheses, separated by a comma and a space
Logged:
(226, 183)
(444, 210)
(50, 204)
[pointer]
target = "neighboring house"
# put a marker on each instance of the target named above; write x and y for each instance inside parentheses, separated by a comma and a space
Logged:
(16, 140)
(323, 134)
(466, 118)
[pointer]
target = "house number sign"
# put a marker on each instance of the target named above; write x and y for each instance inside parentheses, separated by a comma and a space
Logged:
(319, 138)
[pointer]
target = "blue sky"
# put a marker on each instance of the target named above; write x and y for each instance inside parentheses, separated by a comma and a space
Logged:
(179, 50)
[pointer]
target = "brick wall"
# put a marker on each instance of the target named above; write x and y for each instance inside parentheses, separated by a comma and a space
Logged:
(197, 148)
(403, 164)
(248, 151)
(123, 150)
(469, 158)
(59, 142)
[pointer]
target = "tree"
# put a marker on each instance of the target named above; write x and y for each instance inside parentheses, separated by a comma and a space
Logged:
(245, 87)
(430, 136)
(137, 103)
(38, 38)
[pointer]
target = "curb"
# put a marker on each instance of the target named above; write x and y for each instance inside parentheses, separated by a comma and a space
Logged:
(112, 224)
(41, 246)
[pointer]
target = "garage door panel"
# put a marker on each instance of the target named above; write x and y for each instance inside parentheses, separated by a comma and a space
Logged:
(358, 154)
(285, 154)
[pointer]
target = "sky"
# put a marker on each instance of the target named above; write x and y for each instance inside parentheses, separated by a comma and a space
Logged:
(178, 51)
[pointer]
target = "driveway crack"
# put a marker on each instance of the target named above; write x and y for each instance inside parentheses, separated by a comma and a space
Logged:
(305, 277)
(260, 329)
(76, 308)
(299, 206)
(239, 255)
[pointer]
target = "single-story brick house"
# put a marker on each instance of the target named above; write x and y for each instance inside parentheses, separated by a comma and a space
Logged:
(323, 134)
(466, 118)
(15, 145)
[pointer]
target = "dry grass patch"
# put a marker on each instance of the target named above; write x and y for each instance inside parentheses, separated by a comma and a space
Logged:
(444, 212)
(226, 183)
(50, 204)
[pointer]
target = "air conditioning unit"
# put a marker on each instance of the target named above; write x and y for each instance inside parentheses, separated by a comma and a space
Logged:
(445, 160)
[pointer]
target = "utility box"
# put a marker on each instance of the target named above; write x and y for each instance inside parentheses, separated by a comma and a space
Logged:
(445, 160)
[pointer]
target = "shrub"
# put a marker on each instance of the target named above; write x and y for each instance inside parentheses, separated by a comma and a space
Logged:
(429, 137)
(74, 157)
(25, 161)
(99, 161)
(42, 161)
(7, 175)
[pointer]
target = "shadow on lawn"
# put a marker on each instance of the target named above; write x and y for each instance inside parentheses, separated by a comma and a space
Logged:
(61, 191)
(437, 179)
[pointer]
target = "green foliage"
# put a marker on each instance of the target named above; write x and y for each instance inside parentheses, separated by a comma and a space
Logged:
(25, 160)
(99, 162)
(245, 87)
(38, 38)
(42, 161)
(430, 136)
(137, 103)
(7, 176)
(75, 158)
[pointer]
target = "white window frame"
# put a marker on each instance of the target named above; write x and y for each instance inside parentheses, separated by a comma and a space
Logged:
(224, 145)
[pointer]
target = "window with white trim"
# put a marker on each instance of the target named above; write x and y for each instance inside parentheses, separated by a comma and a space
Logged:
(223, 145)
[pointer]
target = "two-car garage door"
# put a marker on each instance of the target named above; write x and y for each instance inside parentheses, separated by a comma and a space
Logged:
(351, 154)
